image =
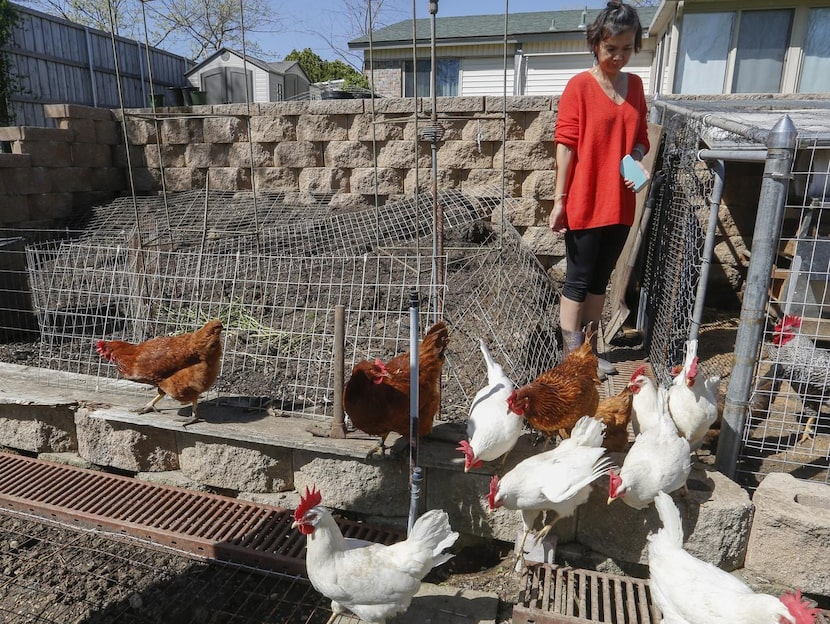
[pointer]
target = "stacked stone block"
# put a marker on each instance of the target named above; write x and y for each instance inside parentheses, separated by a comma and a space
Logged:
(48, 172)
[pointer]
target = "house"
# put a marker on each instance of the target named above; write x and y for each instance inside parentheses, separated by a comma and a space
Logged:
(714, 47)
(543, 50)
(689, 47)
(226, 74)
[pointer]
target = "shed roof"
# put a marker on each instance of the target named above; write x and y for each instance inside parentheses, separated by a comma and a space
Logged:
(490, 26)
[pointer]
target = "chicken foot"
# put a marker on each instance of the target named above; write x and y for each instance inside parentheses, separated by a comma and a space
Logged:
(151, 407)
(381, 446)
(542, 534)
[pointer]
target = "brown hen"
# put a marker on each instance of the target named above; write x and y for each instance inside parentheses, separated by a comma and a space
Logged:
(615, 412)
(376, 397)
(182, 366)
(554, 401)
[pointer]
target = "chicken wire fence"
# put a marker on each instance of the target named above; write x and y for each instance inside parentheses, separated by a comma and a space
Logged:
(273, 269)
(782, 403)
(788, 427)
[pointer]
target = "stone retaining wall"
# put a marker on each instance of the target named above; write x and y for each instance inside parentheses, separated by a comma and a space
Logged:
(322, 146)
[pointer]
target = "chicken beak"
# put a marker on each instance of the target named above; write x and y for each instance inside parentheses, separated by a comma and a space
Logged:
(610, 500)
(295, 524)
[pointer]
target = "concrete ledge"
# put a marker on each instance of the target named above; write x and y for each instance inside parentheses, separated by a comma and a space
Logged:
(791, 532)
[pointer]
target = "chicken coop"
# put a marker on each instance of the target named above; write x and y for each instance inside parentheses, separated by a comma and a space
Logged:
(745, 186)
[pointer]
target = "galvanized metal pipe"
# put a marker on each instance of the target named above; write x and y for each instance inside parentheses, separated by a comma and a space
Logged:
(781, 143)
(414, 488)
(708, 247)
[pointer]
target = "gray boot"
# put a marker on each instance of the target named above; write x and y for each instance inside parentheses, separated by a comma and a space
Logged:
(604, 367)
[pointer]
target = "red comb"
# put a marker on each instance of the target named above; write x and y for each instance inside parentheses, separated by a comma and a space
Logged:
(614, 482)
(311, 499)
(640, 371)
(791, 320)
(799, 608)
(465, 447)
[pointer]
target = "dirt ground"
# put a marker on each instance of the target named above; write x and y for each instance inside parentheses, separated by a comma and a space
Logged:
(52, 574)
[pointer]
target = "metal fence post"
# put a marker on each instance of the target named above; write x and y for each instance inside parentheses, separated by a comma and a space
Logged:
(781, 143)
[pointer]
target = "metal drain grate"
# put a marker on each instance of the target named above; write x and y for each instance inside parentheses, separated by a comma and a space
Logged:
(209, 525)
(562, 595)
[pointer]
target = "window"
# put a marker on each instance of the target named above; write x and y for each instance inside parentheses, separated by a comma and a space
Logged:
(763, 37)
(815, 70)
(446, 82)
(754, 51)
(704, 50)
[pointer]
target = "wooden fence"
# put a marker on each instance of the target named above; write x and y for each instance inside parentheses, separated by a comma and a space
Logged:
(59, 62)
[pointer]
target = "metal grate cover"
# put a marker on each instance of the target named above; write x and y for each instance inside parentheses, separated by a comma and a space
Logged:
(564, 595)
(208, 525)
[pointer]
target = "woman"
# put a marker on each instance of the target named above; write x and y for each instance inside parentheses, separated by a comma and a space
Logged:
(601, 118)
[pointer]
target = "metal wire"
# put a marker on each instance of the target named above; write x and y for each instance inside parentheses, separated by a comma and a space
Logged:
(278, 304)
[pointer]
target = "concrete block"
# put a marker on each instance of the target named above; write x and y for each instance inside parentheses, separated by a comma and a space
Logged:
(524, 156)
(67, 459)
(50, 205)
(323, 180)
(361, 129)
(273, 129)
(202, 155)
(379, 487)
(462, 104)
(791, 532)
(401, 155)
(108, 133)
(69, 179)
(76, 111)
(132, 447)
(235, 465)
(716, 514)
(447, 179)
(298, 154)
(29, 180)
(83, 130)
(90, 155)
(38, 428)
(276, 179)
(396, 105)
(389, 181)
(169, 155)
(336, 107)
(465, 155)
(224, 130)
(172, 478)
(494, 103)
(494, 129)
(15, 161)
(229, 178)
(539, 126)
(181, 131)
(239, 155)
(347, 154)
(322, 128)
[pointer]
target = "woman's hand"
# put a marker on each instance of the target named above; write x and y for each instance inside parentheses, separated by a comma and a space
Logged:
(557, 216)
(630, 183)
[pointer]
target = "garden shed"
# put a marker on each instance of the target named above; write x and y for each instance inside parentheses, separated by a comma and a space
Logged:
(228, 77)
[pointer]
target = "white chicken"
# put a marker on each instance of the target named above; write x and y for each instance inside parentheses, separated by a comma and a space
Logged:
(658, 461)
(373, 581)
(558, 480)
(690, 591)
(492, 429)
(693, 404)
(644, 404)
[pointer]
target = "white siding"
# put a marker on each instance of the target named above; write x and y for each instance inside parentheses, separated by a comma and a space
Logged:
(548, 75)
(442, 51)
(485, 76)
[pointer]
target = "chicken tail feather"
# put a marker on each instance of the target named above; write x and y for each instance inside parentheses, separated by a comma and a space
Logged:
(494, 369)
(672, 532)
(433, 529)
(588, 432)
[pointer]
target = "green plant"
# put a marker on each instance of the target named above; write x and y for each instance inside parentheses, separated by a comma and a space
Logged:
(8, 82)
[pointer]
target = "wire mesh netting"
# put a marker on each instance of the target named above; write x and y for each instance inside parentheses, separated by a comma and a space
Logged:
(789, 417)
(274, 271)
(674, 253)
(786, 426)
(53, 574)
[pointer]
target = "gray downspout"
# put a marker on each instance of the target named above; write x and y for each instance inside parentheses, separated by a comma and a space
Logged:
(780, 142)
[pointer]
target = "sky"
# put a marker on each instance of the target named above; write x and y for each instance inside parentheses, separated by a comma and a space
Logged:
(310, 23)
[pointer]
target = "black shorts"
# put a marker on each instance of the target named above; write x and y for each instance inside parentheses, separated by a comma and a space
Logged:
(591, 257)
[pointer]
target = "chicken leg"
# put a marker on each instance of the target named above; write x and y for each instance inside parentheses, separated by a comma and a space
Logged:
(381, 446)
(151, 406)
